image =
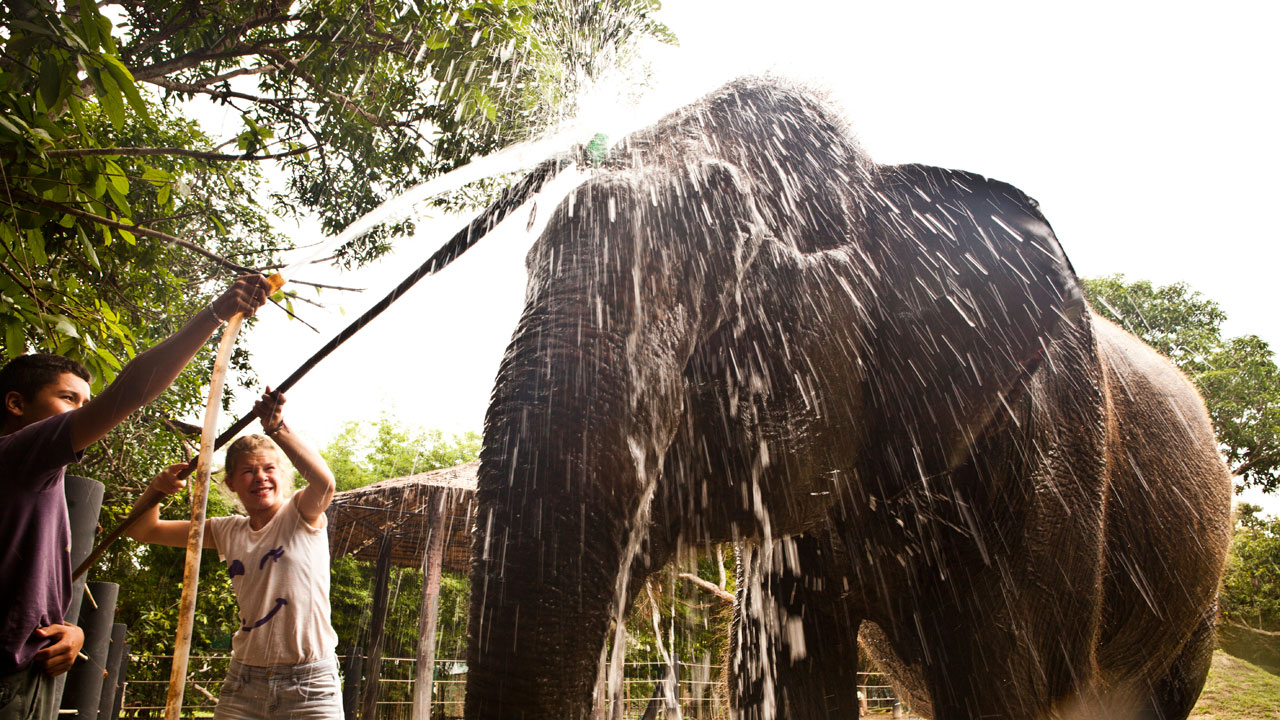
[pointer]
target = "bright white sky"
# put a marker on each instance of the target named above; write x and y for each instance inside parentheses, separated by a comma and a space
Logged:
(1149, 133)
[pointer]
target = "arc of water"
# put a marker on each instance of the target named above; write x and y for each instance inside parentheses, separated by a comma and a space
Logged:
(509, 159)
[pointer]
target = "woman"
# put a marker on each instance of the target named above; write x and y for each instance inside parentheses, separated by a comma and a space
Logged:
(282, 657)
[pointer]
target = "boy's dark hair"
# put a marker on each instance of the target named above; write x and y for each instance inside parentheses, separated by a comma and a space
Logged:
(28, 373)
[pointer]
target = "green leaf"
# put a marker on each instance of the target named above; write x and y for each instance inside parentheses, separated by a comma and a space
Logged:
(8, 123)
(15, 339)
(87, 246)
(157, 177)
(118, 179)
(124, 80)
(109, 359)
(31, 27)
(50, 81)
(64, 325)
(104, 32)
(41, 134)
(95, 74)
(89, 23)
(162, 196)
(111, 102)
(35, 246)
(117, 197)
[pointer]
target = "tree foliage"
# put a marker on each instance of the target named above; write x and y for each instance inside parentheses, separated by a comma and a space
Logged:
(1251, 589)
(108, 184)
(362, 453)
(122, 210)
(1237, 376)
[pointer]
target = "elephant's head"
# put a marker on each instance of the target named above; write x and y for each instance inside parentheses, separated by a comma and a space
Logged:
(718, 325)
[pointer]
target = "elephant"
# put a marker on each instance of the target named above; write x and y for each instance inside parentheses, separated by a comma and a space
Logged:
(885, 383)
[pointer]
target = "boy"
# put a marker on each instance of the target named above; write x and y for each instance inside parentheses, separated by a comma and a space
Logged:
(46, 422)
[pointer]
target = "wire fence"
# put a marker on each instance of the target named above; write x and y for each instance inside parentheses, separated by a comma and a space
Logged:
(700, 691)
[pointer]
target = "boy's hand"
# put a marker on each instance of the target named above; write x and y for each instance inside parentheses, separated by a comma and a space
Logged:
(167, 481)
(246, 295)
(61, 655)
(270, 409)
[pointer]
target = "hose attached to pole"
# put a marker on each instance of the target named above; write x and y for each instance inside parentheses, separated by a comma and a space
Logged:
(510, 199)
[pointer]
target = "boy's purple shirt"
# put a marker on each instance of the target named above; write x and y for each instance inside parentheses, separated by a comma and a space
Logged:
(35, 561)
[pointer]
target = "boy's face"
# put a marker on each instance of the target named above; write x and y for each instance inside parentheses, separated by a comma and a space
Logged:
(256, 481)
(68, 392)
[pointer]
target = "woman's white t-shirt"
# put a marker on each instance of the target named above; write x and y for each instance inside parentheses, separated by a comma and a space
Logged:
(281, 577)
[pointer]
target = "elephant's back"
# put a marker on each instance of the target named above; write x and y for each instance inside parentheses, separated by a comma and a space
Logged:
(1168, 511)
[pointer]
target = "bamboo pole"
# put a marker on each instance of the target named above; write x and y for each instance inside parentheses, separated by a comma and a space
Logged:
(199, 504)
(195, 534)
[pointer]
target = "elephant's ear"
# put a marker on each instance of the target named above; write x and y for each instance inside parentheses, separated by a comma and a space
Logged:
(972, 289)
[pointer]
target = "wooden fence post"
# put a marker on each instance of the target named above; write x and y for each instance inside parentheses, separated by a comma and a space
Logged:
(377, 631)
(429, 612)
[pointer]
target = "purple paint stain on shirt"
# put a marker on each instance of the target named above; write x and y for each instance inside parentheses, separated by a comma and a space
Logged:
(273, 555)
(235, 568)
(280, 602)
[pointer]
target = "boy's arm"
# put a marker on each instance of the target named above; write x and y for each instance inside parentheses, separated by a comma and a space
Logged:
(151, 529)
(148, 374)
(313, 499)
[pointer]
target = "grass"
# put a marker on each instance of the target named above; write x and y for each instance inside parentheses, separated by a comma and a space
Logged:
(1238, 690)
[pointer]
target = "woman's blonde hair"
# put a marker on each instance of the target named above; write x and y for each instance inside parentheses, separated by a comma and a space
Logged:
(247, 445)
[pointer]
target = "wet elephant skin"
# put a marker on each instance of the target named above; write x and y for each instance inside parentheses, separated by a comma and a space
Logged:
(884, 381)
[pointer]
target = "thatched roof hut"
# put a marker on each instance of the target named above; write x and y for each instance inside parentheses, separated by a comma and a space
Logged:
(400, 510)
(419, 521)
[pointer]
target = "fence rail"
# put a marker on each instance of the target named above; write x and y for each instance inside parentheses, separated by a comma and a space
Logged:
(699, 692)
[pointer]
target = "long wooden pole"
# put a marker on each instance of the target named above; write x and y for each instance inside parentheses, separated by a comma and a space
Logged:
(199, 503)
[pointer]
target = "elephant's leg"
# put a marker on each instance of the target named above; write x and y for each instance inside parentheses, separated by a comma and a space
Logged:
(1175, 694)
(977, 667)
(587, 401)
(795, 641)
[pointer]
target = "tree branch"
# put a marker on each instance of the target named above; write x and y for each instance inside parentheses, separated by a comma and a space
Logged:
(1251, 465)
(322, 286)
(289, 312)
(710, 587)
(226, 94)
(190, 60)
(134, 229)
(237, 73)
(345, 101)
(183, 152)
